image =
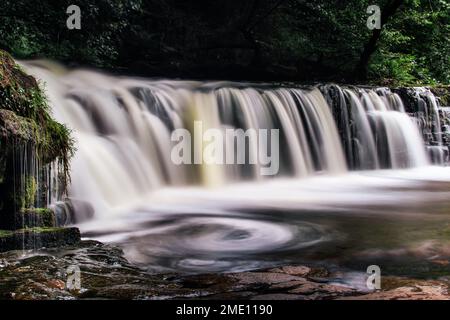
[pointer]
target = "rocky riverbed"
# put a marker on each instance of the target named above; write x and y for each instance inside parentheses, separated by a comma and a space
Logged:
(106, 274)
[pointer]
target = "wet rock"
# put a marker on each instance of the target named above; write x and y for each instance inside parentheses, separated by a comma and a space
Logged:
(318, 273)
(415, 292)
(71, 211)
(327, 289)
(106, 274)
(214, 282)
(441, 262)
(443, 93)
(34, 238)
(267, 278)
(300, 271)
(288, 285)
(56, 284)
(278, 296)
(38, 217)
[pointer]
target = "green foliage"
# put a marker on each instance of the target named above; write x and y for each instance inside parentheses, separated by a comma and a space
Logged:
(39, 29)
(315, 40)
(415, 45)
(25, 118)
(400, 70)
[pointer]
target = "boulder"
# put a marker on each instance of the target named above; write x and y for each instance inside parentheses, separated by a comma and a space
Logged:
(72, 211)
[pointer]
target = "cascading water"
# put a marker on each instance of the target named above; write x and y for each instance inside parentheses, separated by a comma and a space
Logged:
(428, 114)
(375, 130)
(122, 127)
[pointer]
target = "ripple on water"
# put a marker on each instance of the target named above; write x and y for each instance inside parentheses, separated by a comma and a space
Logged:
(210, 243)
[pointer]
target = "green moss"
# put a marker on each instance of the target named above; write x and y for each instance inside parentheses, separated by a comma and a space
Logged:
(25, 119)
(42, 217)
(443, 92)
(20, 92)
(42, 230)
(5, 233)
(21, 128)
(25, 97)
(40, 211)
(30, 192)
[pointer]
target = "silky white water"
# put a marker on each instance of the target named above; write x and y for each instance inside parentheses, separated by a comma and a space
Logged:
(359, 156)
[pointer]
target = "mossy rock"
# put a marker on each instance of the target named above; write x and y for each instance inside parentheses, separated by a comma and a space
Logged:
(5, 233)
(26, 126)
(25, 114)
(12, 76)
(38, 217)
(72, 211)
(21, 128)
(35, 238)
(443, 93)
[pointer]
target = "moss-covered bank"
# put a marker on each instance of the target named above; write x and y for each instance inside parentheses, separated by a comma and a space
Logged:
(30, 141)
(25, 114)
(38, 237)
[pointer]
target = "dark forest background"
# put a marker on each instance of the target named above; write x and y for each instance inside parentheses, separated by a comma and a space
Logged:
(321, 40)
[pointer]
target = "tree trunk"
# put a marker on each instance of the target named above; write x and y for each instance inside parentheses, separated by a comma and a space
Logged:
(360, 72)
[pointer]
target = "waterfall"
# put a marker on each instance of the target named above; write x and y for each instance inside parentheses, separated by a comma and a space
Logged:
(428, 112)
(123, 126)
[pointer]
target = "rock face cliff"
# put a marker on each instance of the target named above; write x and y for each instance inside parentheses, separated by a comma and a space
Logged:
(31, 142)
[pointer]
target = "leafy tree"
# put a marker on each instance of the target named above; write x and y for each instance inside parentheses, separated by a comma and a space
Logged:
(323, 40)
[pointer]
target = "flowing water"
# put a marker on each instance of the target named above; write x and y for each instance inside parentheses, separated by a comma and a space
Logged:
(356, 184)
